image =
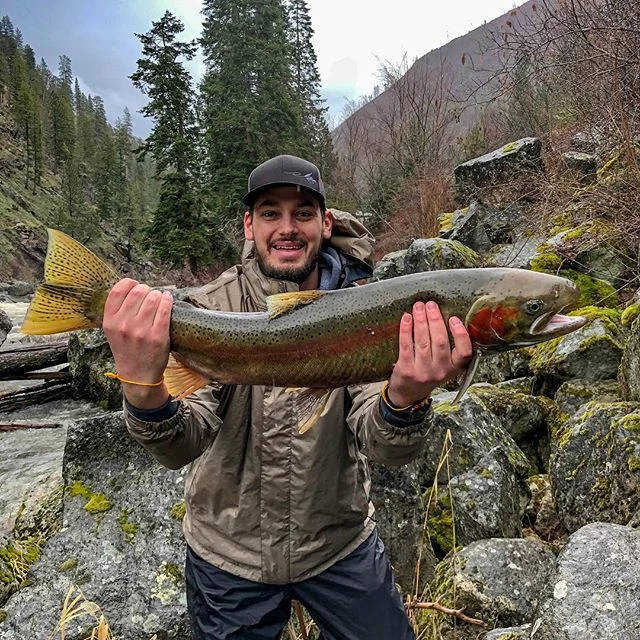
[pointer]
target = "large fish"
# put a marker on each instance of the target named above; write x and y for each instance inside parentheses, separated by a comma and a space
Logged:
(316, 340)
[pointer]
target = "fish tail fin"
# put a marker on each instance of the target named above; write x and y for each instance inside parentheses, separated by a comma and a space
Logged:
(76, 284)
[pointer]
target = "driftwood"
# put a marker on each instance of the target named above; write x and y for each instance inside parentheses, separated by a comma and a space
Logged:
(20, 426)
(18, 360)
(54, 390)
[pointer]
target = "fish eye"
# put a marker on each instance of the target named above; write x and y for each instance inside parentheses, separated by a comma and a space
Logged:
(534, 306)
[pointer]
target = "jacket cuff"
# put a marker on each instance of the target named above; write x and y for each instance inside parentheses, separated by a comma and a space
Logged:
(164, 412)
(404, 417)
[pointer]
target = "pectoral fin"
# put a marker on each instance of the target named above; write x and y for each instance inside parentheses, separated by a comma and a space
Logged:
(468, 376)
(182, 381)
(311, 405)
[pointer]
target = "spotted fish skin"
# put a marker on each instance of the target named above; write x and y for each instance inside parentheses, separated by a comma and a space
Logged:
(322, 339)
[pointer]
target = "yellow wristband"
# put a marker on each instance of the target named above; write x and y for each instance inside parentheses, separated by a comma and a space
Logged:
(419, 404)
(116, 376)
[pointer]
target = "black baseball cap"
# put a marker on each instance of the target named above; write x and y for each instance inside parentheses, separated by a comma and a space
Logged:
(283, 170)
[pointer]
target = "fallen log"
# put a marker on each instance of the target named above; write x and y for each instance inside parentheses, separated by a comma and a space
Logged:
(20, 426)
(54, 390)
(31, 357)
(42, 375)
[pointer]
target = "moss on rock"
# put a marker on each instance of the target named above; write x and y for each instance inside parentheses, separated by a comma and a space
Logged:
(547, 262)
(178, 511)
(96, 502)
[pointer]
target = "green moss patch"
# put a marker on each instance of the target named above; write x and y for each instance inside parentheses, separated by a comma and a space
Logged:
(178, 511)
(96, 502)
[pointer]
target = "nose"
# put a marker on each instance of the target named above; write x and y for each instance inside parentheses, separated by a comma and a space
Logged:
(287, 225)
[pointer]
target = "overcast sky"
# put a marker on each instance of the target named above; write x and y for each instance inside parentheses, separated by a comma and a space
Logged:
(352, 39)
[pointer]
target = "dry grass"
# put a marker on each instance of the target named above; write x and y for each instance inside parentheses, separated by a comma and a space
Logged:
(77, 606)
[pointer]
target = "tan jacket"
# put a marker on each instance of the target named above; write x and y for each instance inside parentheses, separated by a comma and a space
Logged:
(262, 501)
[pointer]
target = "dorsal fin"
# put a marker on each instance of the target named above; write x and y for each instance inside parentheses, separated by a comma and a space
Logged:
(182, 381)
(281, 303)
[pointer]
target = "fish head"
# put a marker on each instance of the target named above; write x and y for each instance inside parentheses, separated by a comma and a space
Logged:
(522, 308)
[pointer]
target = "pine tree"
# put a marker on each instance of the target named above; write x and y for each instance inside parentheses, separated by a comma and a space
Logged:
(249, 107)
(306, 81)
(178, 229)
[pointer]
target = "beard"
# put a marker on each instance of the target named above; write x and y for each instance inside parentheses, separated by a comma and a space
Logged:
(297, 274)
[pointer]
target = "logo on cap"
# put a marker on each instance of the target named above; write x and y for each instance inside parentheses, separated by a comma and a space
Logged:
(307, 176)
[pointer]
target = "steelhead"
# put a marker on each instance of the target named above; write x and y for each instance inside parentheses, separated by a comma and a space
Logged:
(316, 340)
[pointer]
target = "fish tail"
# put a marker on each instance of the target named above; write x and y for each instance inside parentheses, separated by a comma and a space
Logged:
(75, 287)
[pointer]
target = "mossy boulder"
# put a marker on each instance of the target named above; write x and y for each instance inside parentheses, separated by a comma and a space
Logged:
(476, 177)
(126, 558)
(592, 352)
(629, 371)
(594, 248)
(580, 165)
(432, 254)
(593, 465)
(390, 266)
(574, 394)
(89, 359)
(501, 581)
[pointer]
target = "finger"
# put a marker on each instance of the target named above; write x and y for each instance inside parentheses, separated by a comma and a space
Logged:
(117, 295)
(147, 311)
(421, 336)
(439, 336)
(405, 341)
(462, 346)
(134, 300)
(163, 312)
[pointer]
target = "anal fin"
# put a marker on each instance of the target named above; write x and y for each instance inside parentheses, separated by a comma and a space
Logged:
(311, 404)
(182, 381)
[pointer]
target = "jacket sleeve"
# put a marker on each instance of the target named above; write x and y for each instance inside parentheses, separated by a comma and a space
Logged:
(379, 439)
(181, 438)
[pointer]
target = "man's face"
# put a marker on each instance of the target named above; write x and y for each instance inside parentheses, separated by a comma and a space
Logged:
(288, 227)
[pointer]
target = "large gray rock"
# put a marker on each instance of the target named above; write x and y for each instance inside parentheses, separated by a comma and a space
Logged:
(19, 289)
(432, 254)
(594, 593)
(595, 465)
(512, 633)
(518, 254)
(484, 472)
(513, 160)
(593, 352)
(5, 326)
(390, 266)
(629, 371)
(501, 580)
(395, 492)
(119, 542)
(582, 166)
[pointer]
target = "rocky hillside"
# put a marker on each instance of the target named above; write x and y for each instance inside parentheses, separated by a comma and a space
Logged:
(23, 214)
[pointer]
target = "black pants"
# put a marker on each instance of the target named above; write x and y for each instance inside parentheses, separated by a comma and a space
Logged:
(355, 599)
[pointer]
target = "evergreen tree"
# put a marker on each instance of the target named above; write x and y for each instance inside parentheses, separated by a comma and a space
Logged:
(249, 105)
(30, 58)
(306, 81)
(177, 232)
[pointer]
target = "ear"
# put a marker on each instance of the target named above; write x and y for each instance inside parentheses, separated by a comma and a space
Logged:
(247, 224)
(327, 225)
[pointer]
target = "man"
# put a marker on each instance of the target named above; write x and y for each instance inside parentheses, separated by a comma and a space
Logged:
(272, 515)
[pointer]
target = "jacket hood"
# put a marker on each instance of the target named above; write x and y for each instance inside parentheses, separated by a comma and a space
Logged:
(349, 236)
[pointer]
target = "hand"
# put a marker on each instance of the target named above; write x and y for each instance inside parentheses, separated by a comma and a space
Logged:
(425, 358)
(136, 324)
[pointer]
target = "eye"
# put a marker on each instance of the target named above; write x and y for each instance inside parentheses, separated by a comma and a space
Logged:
(534, 306)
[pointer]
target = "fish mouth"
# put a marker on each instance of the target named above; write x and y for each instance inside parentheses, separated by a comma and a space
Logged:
(554, 324)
